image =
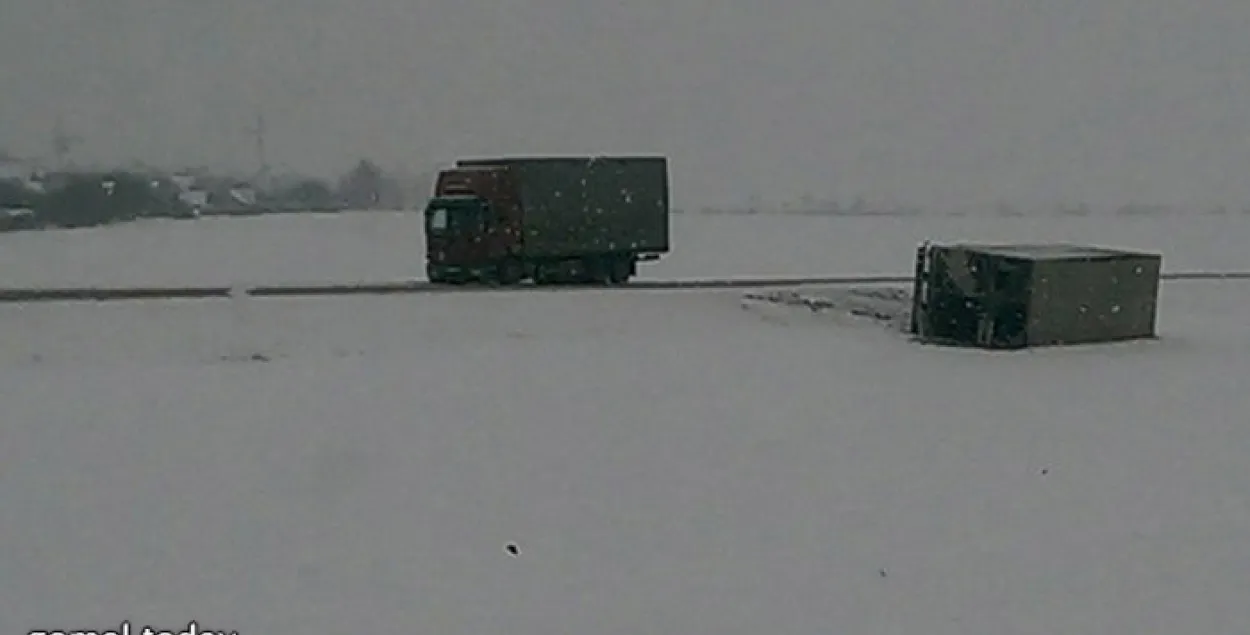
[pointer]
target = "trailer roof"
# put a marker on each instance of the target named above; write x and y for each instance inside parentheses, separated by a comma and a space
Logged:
(483, 161)
(1054, 251)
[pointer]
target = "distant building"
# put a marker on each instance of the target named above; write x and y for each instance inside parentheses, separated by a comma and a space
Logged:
(243, 195)
(196, 199)
(185, 182)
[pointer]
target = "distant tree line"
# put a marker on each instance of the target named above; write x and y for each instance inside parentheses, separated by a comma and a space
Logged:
(84, 200)
(93, 198)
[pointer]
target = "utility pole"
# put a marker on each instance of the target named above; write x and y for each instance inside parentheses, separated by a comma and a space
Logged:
(258, 134)
(62, 142)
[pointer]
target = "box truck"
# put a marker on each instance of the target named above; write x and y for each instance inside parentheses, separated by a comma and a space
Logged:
(547, 219)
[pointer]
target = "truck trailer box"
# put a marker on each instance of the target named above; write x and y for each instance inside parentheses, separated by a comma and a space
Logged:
(572, 206)
(1016, 296)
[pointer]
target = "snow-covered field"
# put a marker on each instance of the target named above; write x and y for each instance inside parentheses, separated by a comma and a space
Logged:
(666, 462)
(390, 246)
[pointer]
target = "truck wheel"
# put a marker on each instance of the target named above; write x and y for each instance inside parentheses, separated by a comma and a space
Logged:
(540, 276)
(620, 270)
(598, 271)
(510, 272)
(435, 275)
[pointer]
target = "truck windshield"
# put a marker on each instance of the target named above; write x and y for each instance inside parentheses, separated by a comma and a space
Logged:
(454, 219)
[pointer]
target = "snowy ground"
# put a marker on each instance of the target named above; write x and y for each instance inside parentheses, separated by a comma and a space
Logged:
(666, 462)
(389, 246)
(887, 306)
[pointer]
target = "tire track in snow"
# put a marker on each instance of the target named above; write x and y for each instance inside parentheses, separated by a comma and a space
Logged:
(108, 294)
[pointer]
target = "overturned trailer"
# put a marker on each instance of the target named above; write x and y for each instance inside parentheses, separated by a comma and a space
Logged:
(1018, 296)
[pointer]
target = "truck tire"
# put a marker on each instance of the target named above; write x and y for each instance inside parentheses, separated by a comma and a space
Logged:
(434, 275)
(620, 270)
(540, 276)
(510, 272)
(604, 270)
(592, 271)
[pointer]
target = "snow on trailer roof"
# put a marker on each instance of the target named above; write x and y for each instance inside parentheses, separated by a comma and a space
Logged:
(1053, 251)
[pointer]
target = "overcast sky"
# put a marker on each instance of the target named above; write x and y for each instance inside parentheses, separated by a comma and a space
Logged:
(938, 102)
